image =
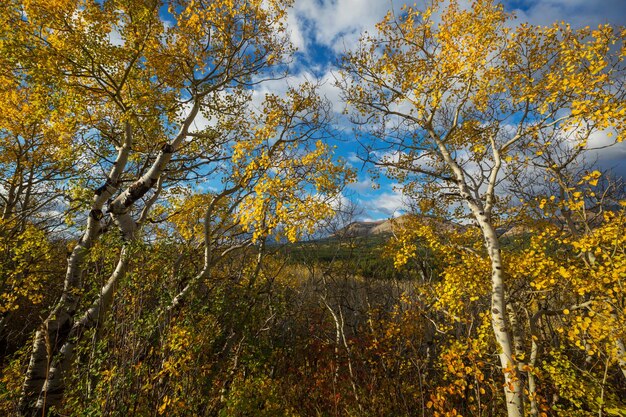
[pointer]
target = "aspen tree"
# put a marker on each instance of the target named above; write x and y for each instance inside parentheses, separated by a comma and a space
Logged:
(137, 74)
(450, 92)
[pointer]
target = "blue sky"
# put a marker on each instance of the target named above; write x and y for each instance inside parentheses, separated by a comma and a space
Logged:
(323, 29)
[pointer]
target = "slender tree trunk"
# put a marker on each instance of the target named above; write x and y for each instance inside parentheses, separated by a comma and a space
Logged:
(532, 361)
(11, 199)
(55, 329)
(513, 388)
(518, 343)
(52, 392)
(53, 335)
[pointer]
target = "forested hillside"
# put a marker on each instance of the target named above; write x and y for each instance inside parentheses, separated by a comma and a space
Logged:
(176, 240)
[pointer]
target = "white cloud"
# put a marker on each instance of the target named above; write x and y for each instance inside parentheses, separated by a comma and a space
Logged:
(362, 186)
(336, 24)
(115, 37)
(295, 32)
(390, 157)
(340, 202)
(353, 157)
(608, 153)
(385, 205)
(601, 142)
(279, 87)
(200, 122)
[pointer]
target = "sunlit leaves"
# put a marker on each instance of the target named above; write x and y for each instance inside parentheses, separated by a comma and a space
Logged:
(25, 266)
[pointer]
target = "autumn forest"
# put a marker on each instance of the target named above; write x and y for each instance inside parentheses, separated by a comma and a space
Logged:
(152, 265)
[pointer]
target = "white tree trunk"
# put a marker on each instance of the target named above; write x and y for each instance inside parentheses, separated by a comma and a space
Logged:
(41, 380)
(513, 388)
(49, 338)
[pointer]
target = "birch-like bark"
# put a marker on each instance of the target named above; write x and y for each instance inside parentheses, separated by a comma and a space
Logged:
(513, 389)
(53, 389)
(11, 199)
(532, 381)
(349, 357)
(139, 188)
(532, 361)
(209, 256)
(337, 339)
(57, 325)
(208, 260)
(518, 343)
(43, 383)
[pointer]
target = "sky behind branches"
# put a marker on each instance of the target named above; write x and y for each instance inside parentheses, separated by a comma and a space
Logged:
(323, 29)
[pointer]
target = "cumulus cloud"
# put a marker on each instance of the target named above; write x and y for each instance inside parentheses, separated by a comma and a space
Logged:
(323, 29)
(115, 37)
(335, 24)
(609, 154)
(385, 205)
(362, 186)
(338, 24)
(280, 86)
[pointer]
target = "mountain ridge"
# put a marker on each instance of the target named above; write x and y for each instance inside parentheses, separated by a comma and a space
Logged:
(385, 227)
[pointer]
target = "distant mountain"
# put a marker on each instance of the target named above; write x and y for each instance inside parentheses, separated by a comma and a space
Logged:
(382, 228)
(359, 229)
(385, 227)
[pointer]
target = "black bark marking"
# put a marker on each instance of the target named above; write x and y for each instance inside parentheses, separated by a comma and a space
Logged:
(98, 191)
(136, 191)
(96, 214)
(60, 334)
(107, 183)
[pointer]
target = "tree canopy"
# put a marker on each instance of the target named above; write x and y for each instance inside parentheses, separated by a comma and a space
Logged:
(172, 242)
